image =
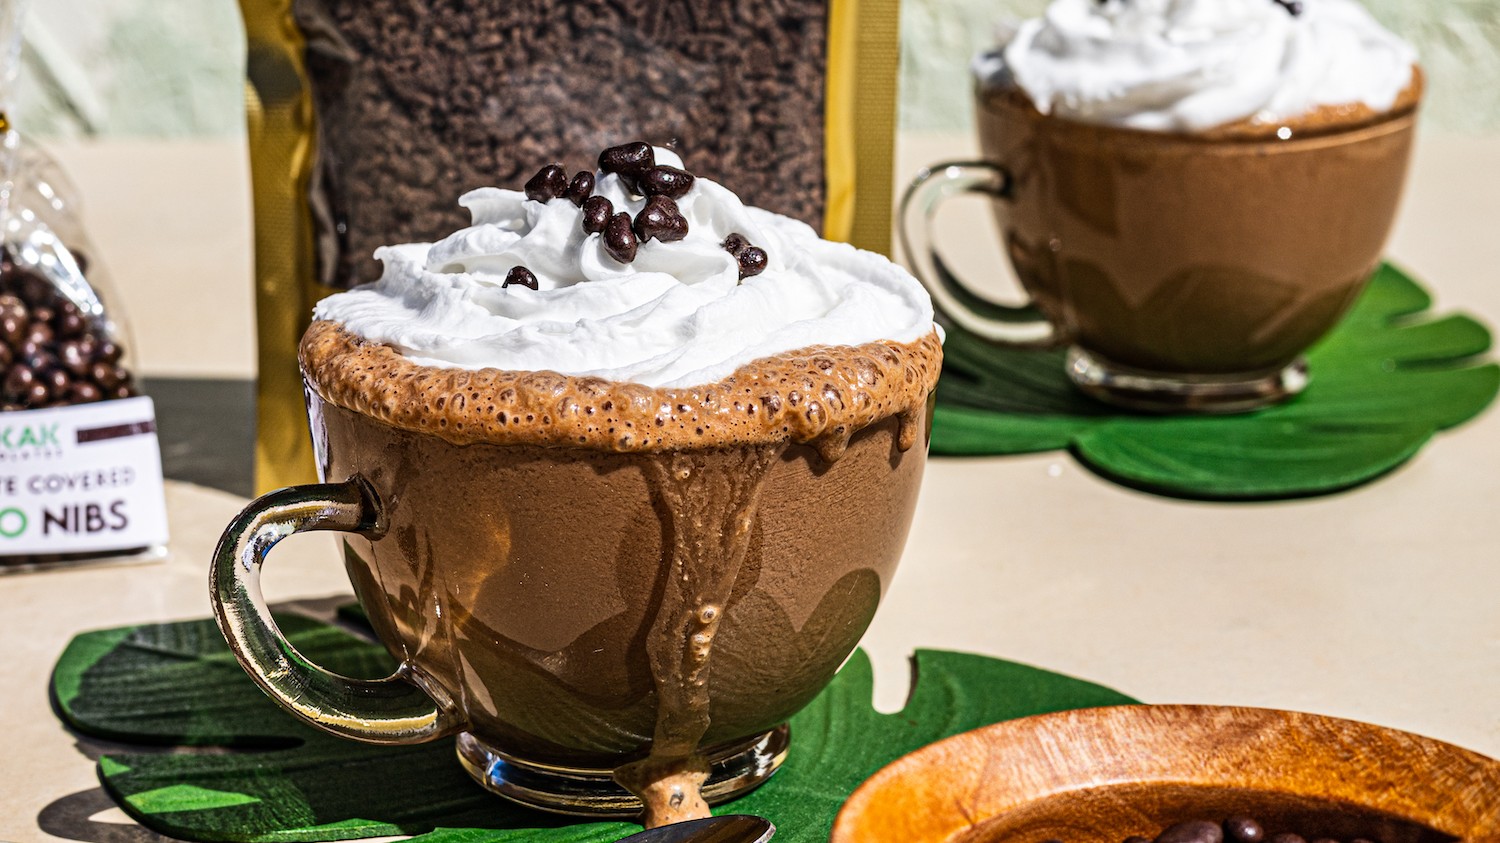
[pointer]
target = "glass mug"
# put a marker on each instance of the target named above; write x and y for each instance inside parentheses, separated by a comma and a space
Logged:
(531, 591)
(1185, 272)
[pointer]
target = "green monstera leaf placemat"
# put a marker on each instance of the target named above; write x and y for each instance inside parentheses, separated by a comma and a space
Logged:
(177, 685)
(1383, 382)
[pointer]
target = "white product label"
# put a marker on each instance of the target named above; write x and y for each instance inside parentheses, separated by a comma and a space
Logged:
(81, 479)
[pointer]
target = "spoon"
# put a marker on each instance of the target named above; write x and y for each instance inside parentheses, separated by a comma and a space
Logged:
(736, 828)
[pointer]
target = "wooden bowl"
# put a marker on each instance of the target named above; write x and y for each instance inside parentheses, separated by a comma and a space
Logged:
(1103, 774)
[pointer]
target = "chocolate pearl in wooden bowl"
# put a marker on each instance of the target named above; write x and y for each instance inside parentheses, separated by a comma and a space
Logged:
(1192, 831)
(1243, 830)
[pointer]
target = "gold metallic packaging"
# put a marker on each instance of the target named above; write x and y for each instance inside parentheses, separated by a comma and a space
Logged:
(301, 244)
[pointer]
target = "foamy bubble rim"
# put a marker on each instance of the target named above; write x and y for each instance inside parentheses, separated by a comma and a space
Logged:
(677, 316)
(1193, 65)
(819, 396)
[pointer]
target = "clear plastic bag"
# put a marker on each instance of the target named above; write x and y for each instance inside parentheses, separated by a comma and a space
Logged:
(80, 467)
(59, 343)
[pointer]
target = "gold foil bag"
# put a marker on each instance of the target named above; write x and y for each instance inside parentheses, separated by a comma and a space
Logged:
(367, 120)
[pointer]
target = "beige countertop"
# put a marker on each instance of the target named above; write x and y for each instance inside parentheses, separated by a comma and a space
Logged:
(1378, 604)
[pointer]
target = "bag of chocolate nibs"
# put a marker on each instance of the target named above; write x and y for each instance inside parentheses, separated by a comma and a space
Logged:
(80, 468)
(367, 117)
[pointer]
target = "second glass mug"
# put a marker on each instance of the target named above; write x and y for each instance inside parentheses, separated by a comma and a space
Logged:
(1184, 272)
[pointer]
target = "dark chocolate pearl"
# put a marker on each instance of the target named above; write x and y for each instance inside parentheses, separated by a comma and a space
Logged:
(18, 381)
(35, 290)
(38, 395)
(660, 219)
(619, 239)
(84, 392)
(1192, 831)
(29, 351)
(628, 160)
(1243, 830)
(39, 333)
(12, 306)
(12, 329)
(549, 182)
(124, 390)
(72, 357)
(519, 276)
(104, 374)
(39, 357)
(70, 326)
(596, 212)
(664, 180)
(1286, 837)
(108, 351)
(58, 383)
(43, 314)
(752, 262)
(735, 243)
(581, 187)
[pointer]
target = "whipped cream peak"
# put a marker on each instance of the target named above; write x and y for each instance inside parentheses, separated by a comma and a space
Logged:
(1192, 65)
(677, 314)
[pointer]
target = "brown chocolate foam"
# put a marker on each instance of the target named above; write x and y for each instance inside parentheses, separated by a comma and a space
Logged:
(820, 395)
(1323, 120)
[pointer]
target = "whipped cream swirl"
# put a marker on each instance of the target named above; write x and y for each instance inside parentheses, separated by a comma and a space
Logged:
(676, 316)
(1191, 65)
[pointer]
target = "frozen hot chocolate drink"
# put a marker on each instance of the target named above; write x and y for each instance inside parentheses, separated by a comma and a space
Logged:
(627, 466)
(1206, 67)
(1191, 191)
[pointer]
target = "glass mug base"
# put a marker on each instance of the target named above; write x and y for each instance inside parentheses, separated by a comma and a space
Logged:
(1158, 392)
(734, 771)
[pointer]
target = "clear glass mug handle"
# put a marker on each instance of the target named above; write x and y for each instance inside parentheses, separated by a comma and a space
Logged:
(1019, 326)
(393, 710)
